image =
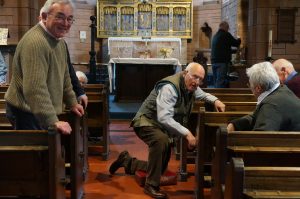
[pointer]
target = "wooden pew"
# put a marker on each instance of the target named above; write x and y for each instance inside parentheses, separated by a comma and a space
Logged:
(261, 182)
(220, 118)
(32, 164)
(76, 152)
(90, 88)
(234, 97)
(207, 124)
(258, 148)
(2, 94)
(3, 88)
(230, 106)
(4, 122)
(228, 90)
(98, 119)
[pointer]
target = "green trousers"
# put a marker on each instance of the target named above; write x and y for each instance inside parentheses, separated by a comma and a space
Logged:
(159, 153)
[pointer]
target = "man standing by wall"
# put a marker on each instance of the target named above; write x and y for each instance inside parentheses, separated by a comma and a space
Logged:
(221, 54)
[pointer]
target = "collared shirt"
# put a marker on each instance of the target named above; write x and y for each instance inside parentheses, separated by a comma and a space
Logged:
(165, 102)
(262, 96)
(290, 77)
(3, 69)
(44, 27)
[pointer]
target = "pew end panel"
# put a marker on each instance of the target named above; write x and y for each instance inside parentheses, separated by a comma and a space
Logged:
(34, 164)
(98, 120)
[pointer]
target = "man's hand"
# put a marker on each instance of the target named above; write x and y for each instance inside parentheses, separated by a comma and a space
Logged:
(78, 110)
(83, 100)
(230, 127)
(219, 106)
(63, 127)
(191, 140)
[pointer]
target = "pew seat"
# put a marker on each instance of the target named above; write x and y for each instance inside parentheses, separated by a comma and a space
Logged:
(260, 182)
(257, 148)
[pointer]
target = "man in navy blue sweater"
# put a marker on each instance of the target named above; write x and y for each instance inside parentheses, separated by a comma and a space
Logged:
(221, 54)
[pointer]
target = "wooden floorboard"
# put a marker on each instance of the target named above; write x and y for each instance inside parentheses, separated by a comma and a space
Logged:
(100, 185)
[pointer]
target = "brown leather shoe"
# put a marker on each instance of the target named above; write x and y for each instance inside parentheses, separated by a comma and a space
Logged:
(119, 162)
(154, 192)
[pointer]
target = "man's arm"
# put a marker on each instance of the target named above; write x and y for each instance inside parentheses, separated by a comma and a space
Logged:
(166, 101)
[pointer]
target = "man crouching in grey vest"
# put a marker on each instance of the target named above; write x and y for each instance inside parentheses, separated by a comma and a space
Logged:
(162, 116)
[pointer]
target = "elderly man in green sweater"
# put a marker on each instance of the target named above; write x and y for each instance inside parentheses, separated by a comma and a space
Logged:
(40, 81)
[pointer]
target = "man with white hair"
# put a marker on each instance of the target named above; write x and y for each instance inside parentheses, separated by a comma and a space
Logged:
(288, 75)
(162, 116)
(277, 106)
(41, 82)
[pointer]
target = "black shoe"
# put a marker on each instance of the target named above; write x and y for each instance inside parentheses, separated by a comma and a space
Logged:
(119, 162)
(154, 192)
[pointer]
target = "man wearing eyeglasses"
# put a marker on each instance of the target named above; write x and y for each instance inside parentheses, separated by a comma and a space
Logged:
(162, 116)
(41, 82)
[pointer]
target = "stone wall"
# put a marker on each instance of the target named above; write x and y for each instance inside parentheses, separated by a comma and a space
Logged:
(262, 18)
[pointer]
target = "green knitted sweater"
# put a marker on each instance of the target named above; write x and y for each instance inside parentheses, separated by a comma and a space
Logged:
(40, 78)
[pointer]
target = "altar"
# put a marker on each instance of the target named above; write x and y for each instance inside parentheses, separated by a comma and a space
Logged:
(132, 79)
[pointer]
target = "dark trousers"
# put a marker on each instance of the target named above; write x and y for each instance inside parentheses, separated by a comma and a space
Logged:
(22, 120)
(220, 71)
(159, 153)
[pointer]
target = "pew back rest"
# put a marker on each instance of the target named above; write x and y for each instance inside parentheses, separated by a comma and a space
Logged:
(264, 139)
(228, 90)
(230, 106)
(33, 164)
(261, 181)
(98, 88)
(232, 97)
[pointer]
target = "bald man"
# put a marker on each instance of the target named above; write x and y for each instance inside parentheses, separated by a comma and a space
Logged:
(288, 75)
(162, 116)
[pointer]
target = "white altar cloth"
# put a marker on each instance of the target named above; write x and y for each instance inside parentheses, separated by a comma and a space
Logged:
(152, 39)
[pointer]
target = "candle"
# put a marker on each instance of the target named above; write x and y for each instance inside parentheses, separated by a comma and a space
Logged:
(270, 44)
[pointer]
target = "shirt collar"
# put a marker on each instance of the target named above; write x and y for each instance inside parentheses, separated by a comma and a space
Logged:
(44, 27)
(290, 77)
(262, 96)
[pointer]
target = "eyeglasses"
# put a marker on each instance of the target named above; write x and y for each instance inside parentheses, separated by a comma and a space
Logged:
(195, 78)
(62, 18)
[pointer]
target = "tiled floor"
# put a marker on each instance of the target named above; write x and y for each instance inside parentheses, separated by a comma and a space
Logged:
(100, 185)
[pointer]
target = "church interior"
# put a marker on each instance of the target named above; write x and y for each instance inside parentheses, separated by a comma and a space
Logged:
(124, 47)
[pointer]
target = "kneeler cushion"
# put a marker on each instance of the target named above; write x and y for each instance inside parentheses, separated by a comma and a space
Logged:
(168, 178)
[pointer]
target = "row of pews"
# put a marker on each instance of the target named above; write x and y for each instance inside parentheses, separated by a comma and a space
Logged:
(44, 164)
(240, 164)
(41, 163)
